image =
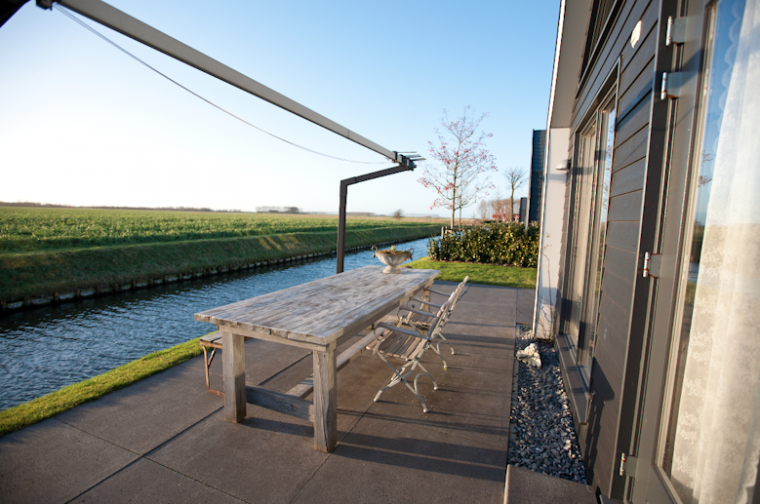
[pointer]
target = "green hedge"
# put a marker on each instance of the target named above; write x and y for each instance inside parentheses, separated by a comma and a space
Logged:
(508, 243)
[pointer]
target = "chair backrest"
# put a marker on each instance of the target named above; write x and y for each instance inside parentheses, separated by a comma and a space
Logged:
(459, 290)
(440, 318)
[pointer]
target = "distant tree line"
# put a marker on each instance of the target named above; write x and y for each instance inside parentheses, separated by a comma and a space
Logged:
(274, 209)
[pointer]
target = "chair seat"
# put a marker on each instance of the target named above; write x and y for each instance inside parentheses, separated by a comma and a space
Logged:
(399, 346)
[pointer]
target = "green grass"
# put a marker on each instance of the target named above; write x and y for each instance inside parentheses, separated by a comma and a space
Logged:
(487, 274)
(24, 230)
(45, 273)
(62, 400)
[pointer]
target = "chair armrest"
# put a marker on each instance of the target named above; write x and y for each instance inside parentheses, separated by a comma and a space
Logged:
(418, 312)
(385, 325)
(426, 302)
(437, 292)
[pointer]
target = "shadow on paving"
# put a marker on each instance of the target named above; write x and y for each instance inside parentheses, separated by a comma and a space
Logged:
(165, 438)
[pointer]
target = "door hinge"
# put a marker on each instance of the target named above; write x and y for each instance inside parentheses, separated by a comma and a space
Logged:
(676, 33)
(628, 465)
(652, 265)
(671, 85)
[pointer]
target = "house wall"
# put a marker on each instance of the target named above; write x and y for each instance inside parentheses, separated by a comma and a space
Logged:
(550, 245)
(633, 70)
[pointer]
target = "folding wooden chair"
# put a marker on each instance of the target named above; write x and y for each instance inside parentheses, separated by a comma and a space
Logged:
(407, 345)
(413, 316)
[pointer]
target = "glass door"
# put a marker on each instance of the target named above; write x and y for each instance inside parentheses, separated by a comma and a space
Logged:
(590, 206)
(700, 426)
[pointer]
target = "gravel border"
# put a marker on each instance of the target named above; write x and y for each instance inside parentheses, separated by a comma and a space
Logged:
(542, 435)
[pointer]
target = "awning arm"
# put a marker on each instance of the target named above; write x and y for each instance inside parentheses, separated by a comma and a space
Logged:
(127, 25)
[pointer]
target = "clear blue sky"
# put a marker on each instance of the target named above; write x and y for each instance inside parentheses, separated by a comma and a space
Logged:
(83, 124)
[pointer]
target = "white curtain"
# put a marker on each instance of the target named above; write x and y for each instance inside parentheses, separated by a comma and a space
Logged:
(717, 443)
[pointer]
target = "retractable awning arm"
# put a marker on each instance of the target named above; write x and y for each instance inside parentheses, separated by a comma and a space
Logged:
(127, 25)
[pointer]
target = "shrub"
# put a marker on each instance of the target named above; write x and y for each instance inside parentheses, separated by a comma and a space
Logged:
(507, 243)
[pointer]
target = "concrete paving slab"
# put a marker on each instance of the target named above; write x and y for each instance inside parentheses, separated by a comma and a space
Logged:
(526, 299)
(146, 481)
(387, 452)
(53, 462)
(148, 413)
(473, 399)
(391, 461)
(524, 486)
(266, 458)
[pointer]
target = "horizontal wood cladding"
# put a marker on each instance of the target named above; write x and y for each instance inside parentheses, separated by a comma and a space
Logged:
(631, 150)
(628, 179)
(619, 260)
(648, 39)
(616, 318)
(620, 289)
(597, 441)
(630, 14)
(623, 235)
(637, 91)
(626, 207)
(633, 122)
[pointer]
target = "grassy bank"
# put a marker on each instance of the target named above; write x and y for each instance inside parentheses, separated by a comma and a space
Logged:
(68, 397)
(487, 274)
(44, 273)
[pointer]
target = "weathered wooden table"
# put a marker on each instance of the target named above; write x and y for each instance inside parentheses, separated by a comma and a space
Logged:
(318, 315)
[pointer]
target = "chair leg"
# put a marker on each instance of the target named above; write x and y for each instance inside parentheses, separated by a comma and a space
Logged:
(398, 377)
(207, 360)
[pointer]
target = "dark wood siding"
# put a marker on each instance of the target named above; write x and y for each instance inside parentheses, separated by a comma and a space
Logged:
(635, 92)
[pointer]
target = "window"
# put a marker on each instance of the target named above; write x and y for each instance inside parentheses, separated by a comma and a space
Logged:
(591, 191)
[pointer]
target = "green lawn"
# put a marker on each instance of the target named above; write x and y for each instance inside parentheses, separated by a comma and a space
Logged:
(62, 400)
(487, 274)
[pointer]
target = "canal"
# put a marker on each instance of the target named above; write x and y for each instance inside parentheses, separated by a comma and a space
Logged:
(47, 348)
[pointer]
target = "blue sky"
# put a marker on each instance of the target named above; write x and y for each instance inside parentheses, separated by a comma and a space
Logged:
(83, 124)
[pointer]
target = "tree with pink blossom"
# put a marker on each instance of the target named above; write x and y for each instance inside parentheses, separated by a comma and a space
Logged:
(461, 157)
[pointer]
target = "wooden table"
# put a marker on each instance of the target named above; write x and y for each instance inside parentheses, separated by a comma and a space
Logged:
(319, 316)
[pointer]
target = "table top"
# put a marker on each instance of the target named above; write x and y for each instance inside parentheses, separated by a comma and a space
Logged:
(322, 311)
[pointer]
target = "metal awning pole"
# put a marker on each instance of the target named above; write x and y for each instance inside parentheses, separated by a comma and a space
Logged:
(340, 252)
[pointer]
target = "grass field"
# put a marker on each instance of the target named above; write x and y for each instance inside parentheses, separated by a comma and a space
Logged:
(44, 251)
(25, 230)
(487, 274)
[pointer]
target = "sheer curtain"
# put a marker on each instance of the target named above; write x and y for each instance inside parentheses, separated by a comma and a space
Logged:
(717, 442)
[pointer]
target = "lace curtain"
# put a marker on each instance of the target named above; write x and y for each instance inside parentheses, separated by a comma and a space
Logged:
(717, 442)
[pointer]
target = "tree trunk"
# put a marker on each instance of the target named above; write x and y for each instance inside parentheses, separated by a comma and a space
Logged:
(512, 204)
(454, 202)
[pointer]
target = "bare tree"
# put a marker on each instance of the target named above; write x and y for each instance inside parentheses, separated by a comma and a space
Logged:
(515, 180)
(483, 208)
(463, 156)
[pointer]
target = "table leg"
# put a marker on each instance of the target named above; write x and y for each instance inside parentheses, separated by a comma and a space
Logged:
(325, 400)
(233, 372)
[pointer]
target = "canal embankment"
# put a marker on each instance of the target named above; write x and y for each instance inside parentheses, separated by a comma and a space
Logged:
(57, 276)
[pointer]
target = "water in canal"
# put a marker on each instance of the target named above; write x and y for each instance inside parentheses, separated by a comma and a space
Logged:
(47, 348)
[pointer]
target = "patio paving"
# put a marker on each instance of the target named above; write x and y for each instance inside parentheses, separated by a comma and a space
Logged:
(165, 439)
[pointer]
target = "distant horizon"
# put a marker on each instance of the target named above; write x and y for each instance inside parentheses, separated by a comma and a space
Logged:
(34, 204)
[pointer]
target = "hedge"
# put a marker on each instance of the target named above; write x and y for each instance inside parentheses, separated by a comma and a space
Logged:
(508, 243)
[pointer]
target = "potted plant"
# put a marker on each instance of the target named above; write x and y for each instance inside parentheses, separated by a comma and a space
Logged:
(392, 258)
